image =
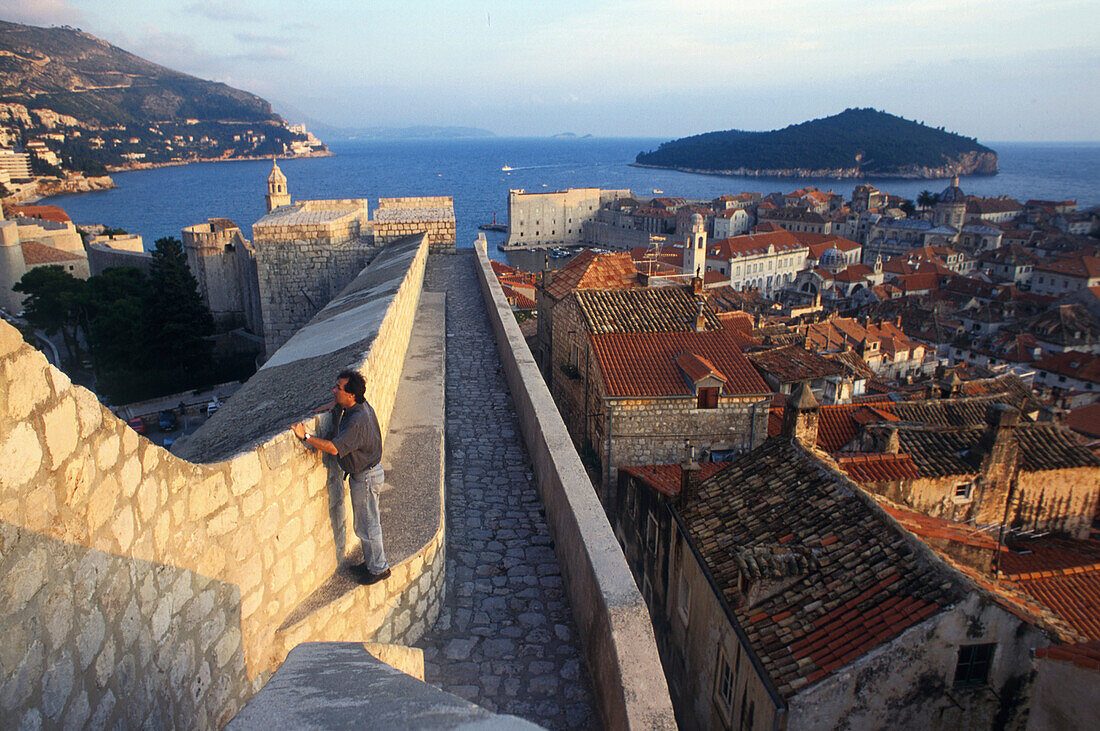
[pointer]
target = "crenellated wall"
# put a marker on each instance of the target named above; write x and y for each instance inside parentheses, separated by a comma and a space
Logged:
(142, 589)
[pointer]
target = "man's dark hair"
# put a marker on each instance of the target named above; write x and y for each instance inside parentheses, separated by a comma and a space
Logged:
(356, 386)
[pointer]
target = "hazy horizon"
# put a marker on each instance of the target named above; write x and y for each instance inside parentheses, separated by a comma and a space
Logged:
(1008, 71)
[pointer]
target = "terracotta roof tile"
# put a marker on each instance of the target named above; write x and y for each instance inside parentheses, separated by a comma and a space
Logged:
(644, 364)
(863, 584)
(658, 309)
(35, 252)
(665, 478)
(878, 467)
(588, 270)
(794, 363)
(1084, 655)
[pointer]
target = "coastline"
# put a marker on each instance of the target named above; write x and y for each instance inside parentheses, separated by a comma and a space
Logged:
(176, 163)
(829, 174)
(59, 191)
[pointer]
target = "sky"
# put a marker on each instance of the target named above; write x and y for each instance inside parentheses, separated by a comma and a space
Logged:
(998, 70)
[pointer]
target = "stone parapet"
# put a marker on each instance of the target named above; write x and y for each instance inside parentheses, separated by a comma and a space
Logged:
(140, 589)
(610, 612)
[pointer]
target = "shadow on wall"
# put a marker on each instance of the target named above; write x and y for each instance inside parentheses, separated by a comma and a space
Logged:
(97, 639)
(135, 580)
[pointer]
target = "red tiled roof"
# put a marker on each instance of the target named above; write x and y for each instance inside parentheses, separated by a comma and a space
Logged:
(46, 213)
(665, 478)
(878, 467)
(593, 271)
(1074, 597)
(1084, 655)
(929, 527)
(1085, 420)
(697, 367)
(861, 585)
(502, 269)
(644, 364)
(1073, 266)
(753, 244)
(836, 425)
(1083, 366)
(38, 253)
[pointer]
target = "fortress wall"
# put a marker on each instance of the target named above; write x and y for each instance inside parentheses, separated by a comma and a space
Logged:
(300, 270)
(611, 615)
(140, 589)
(100, 257)
(398, 217)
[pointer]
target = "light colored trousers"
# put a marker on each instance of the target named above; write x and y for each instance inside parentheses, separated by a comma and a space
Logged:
(365, 487)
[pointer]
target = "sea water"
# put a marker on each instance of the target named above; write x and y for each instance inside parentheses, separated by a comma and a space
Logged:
(160, 202)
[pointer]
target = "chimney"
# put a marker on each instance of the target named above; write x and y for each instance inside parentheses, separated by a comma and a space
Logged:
(700, 320)
(892, 445)
(800, 416)
(1001, 421)
(689, 474)
(697, 285)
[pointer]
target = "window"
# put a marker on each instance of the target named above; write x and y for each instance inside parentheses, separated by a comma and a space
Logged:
(708, 398)
(723, 685)
(685, 598)
(651, 533)
(963, 491)
(972, 667)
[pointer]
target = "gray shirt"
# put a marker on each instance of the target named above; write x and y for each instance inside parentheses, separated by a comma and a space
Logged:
(358, 439)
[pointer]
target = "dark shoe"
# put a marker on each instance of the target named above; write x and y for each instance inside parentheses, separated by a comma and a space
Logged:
(365, 576)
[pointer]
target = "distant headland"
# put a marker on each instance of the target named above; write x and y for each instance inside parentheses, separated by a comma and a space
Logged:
(857, 143)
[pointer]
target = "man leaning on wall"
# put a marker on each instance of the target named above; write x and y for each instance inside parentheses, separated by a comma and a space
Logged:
(357, 447)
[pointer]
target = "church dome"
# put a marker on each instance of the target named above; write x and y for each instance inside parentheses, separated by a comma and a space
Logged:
(832, 258)
(953, 193)
(696, 219)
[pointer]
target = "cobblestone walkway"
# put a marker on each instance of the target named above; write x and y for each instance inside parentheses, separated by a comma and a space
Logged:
(505, 638)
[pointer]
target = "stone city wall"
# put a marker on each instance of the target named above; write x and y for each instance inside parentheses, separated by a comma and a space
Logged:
(101, 256)
(399, 217)
(602, 234)
(140, 589)
(611, 615)
(297, 277)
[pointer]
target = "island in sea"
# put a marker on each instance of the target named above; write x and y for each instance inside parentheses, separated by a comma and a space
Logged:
(74, 107)
(857, 143)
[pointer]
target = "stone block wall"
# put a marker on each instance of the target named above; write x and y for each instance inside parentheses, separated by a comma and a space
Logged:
(101, 256)
(653, 431)
(434, 215)
(140, 589)
(299, 276)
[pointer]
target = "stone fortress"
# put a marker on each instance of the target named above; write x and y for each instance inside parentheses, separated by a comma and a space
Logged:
(142, 588)
(302, 255)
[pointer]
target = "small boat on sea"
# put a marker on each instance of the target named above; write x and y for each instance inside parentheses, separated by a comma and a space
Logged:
(506, 168)
(657, 191)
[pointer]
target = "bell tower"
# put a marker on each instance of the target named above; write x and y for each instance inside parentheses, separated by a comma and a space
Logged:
(695, 248)
(277, 194)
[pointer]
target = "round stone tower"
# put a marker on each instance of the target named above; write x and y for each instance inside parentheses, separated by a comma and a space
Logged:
(277, 194)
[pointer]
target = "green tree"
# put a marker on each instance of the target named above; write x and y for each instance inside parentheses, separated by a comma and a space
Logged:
(53, 303)
(927, 199)
(114, 307)
(176, 319)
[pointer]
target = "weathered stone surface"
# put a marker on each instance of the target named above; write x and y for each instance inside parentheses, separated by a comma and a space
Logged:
(28, 370)
(20, 456)
(62, 431)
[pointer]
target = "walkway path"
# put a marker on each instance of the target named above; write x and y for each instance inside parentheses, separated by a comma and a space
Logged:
(505, 638)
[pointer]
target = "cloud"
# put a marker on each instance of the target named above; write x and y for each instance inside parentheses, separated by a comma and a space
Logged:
(248, 37)
(221, 11)
(41, 12)
(270, 52)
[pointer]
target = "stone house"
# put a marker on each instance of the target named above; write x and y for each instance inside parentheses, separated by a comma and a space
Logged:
(970, 460)
(784, 597)
(882, 344)
(1066, 275)
(32, 240)
(785, 367)
(766, 262)
(586, 270)
(638, 371)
